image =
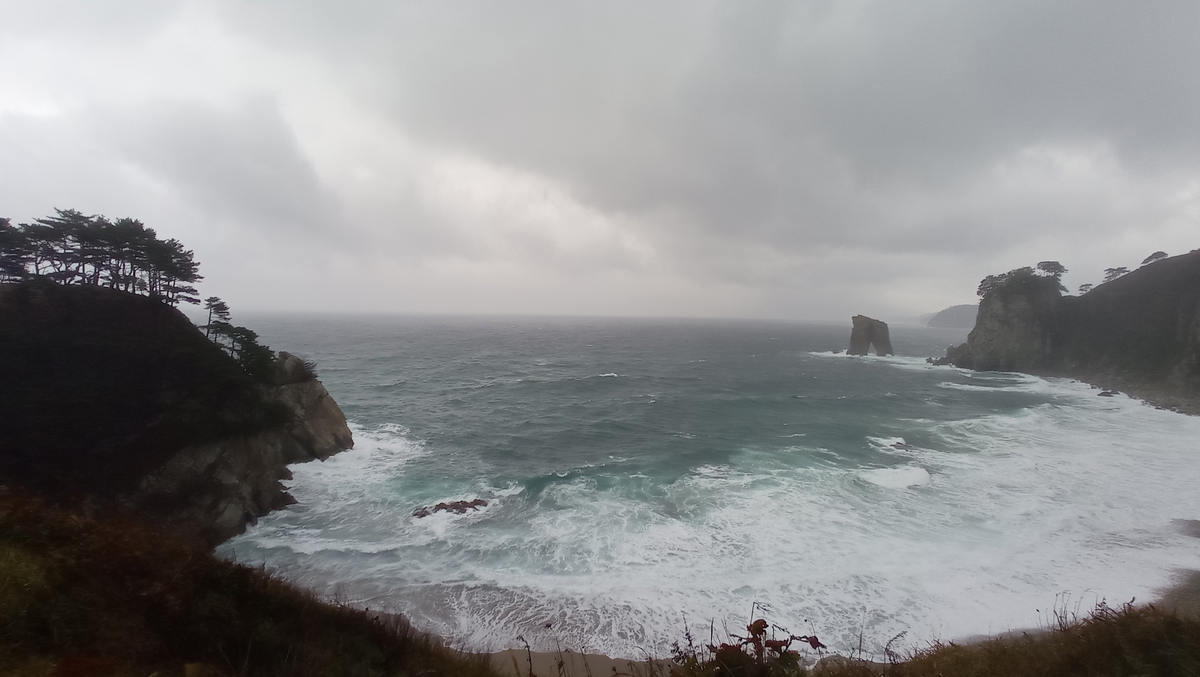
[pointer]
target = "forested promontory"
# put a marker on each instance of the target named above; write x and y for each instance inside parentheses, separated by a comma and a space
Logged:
(1139, 331)
(110, 393)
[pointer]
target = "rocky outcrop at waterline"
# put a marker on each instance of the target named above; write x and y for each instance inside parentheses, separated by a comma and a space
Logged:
(110, 397)
(456, 507)
(1139, 333)
(218, 487)
(867, 333)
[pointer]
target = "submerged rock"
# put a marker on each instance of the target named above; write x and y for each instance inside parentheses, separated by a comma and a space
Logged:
(869, 332)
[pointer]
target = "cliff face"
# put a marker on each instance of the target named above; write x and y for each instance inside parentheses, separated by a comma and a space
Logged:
(1140, 333)
(116, 397)
(868, 332)
(216, 488)
(1015, 331)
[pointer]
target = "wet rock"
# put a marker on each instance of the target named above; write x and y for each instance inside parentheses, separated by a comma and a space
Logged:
(868, 332)
(456, 507)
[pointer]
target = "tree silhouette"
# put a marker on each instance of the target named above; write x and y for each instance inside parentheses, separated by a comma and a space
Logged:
(994, 283)
(1156, 256)
(1052, 269)
(72, 248)
(14, 252)
(1111, 274)
(216, 309)
(1085, 288)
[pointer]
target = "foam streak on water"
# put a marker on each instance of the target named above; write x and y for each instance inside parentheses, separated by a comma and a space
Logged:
(728, 464)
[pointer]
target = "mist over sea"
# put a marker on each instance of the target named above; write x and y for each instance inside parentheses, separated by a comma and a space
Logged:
(643, 472)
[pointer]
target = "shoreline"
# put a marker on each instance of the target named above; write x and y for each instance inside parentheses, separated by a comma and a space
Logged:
(1181, 597)
(520, 663)
(1154, 396)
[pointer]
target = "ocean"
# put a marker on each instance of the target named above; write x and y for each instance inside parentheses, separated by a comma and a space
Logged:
(647, 476)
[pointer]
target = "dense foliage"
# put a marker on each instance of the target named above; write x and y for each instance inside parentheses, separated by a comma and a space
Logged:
(1047, 276)
(75, 249)
(71, 248)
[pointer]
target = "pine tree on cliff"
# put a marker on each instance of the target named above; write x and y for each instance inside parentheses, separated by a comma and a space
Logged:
(72, 248)
(1023, 280)
(1156, 256)
(1111, 274)
(216, 309)
(1052, 269)
(14, 252)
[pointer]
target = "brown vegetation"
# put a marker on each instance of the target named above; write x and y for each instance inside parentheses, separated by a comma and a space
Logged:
(113, 597)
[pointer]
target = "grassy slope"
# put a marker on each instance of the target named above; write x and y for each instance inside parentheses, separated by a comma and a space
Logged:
(83, 596)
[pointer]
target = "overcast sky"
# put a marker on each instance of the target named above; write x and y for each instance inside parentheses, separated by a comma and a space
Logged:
(803, 160)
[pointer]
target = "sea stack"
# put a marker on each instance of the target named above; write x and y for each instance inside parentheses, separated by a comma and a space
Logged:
(869, 332)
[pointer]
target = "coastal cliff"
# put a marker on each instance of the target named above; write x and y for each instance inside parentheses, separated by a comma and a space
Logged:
(1139, 333)
(216, 488)
(114, 397)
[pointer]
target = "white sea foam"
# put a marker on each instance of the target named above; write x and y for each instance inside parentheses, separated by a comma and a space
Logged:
(971, 532)
(898, 478)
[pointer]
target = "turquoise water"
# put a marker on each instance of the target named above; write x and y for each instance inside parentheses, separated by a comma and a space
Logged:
(644, 474)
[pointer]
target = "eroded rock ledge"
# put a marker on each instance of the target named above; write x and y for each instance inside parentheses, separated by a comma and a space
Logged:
(214, 490)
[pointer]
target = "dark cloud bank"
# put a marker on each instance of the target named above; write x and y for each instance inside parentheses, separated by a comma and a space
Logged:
(773, 159)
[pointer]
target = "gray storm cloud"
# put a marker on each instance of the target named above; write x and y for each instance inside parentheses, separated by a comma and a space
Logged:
(779, 159)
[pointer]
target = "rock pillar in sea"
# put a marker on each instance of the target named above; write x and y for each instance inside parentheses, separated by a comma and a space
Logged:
(869, 332)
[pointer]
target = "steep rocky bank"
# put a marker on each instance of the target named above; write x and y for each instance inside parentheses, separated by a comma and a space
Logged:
(1139, 333)
(113, 397)
(218, 487)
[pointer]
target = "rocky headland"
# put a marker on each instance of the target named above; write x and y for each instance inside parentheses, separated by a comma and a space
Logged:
(1139, 333)
(116, 398)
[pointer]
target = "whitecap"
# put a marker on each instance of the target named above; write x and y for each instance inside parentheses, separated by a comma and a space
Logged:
(898, 478)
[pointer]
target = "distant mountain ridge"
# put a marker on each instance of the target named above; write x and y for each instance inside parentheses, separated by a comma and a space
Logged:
(955, 317)
(1139, 333)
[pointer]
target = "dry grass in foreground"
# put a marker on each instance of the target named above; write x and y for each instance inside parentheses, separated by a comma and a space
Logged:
(114, 598)
(1128, 641)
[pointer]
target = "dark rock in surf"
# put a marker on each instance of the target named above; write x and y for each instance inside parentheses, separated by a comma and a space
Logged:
(456, 507)
(868, 332)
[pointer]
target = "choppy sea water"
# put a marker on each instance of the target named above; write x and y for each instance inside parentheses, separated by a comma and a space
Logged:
(644, 474)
